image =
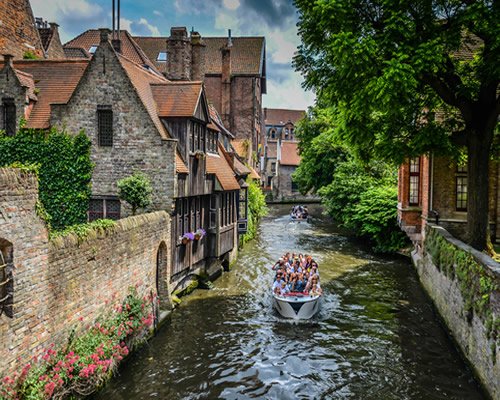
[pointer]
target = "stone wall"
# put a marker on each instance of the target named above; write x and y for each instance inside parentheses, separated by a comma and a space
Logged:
(66, 282)
(11, 89)
(137, 144)
(476, 335)
(282, 187)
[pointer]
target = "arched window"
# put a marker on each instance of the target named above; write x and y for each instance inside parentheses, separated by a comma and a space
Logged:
(272, 132)
(6, 278)
(162, 273)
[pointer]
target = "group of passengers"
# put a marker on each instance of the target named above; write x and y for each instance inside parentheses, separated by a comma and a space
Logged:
(299, 212)
(296, 273)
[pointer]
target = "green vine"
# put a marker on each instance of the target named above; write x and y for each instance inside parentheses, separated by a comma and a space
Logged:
(476, 285)
(62, 164)
(83, 231)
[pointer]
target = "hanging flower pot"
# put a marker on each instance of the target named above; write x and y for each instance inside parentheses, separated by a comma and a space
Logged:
(187, 237)
(200, 155)
(198, 235)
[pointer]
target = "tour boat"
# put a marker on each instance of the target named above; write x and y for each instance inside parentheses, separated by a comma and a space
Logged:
(297, 305)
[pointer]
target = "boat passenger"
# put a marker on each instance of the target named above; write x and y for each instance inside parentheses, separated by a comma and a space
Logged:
(284, 289)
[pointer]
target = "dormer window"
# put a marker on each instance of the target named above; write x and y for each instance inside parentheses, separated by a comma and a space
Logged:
(273, 134)
(92, 49)
(162, 56)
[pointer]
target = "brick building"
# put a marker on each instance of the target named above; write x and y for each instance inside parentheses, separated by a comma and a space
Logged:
(233, 70)
(280, 157)
(137, 120)
(434, 189)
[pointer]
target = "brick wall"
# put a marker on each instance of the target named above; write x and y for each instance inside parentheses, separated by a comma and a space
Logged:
(17, 29)
(11, 88)
(59, 283)
(137, 144)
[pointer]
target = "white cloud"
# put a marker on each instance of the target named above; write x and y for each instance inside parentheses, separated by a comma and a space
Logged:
(288, 94)
(153, 29)
(231, 4)
(53, 10)
(158, 13)
(225, 20)
(126, 24)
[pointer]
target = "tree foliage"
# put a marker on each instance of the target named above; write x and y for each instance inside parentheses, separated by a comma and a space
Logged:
(136, 190)
(64, 170)
(319, 149)
(363, 198)
(406, 77)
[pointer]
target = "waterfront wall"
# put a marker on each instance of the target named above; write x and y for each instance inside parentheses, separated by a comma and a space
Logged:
(64, 283)
(464, 285)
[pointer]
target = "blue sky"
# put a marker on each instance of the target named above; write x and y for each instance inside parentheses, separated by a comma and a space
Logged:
(274, 19)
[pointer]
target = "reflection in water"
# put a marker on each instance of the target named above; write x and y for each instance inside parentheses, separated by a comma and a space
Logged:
(376, 336)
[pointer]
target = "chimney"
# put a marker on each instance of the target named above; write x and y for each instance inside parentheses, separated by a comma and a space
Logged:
(229, 39)
(104, 35)
(179, 54)
(198, 56)
(226, 84)
(8, 60)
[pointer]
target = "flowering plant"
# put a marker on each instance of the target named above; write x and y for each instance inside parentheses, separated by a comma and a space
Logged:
(199, 233)
(81, 366)
(187, 237)
(199, 154)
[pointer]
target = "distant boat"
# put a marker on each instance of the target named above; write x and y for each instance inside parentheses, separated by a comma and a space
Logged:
(297, 305)
(299, 213)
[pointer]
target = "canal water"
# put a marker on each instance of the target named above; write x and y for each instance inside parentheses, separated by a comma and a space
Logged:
(376, 336)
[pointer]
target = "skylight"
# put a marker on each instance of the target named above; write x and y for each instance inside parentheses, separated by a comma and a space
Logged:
(92, 49)
(162, 56)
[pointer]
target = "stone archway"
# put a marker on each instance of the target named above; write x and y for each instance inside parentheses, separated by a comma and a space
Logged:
(162, 274)
(6, 278)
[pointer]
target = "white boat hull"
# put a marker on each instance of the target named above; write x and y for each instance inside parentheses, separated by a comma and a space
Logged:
(297, 307)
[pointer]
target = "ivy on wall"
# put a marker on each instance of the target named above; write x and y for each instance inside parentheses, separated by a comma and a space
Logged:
(64, 170)
(476, 284)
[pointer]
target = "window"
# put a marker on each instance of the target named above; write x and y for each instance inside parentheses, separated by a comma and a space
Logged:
(104, 208)
(6, 279)
(105, 125)
(162, 56)
(273, 134)
(213, 211)
(414, 181)
(269, 180)
(295, 187)
(273, 167)
(9, 117)
(461, 188)
(92, 49)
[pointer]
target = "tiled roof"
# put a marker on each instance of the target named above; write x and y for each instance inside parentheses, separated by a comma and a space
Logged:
(289, 153)
(75, 52)
(217, 121)
(177, 99)
(247, 55)
(152, 46)
(278, 116)
(254, 174)
(55, 81)
(27, 80)
(142, 80)
(240, 168)
(240, 146)
(180, 167)
(129, 48)
(218, 165)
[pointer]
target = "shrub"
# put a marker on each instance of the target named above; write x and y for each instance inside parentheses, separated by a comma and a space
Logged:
(136, 190)
(256, 209)
(64, 170)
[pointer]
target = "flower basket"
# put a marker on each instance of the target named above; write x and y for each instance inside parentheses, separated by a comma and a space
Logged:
(199, 234)
(200, 155)
(187, 237)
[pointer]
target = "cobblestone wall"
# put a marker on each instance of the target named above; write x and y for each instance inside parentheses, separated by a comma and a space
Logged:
(64, 283)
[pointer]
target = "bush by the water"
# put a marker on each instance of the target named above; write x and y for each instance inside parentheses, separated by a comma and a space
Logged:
(364, 200)
(64, 170)
(87, 360)
(256, 209)
(136, 190)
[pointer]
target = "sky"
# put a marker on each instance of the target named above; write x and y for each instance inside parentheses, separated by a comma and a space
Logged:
(274, 19)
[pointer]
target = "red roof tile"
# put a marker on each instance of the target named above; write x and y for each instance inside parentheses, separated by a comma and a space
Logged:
(289, 153)
(55, 81)
(279, 116)
(218, 165)
(177, 99)
(152, 46)
(27, 81)
(241, 147)
(180, 167)
(129, 48)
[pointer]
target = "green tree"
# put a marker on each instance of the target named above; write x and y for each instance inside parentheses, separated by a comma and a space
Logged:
(406, 77)
(136, 190)
(319, 150)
